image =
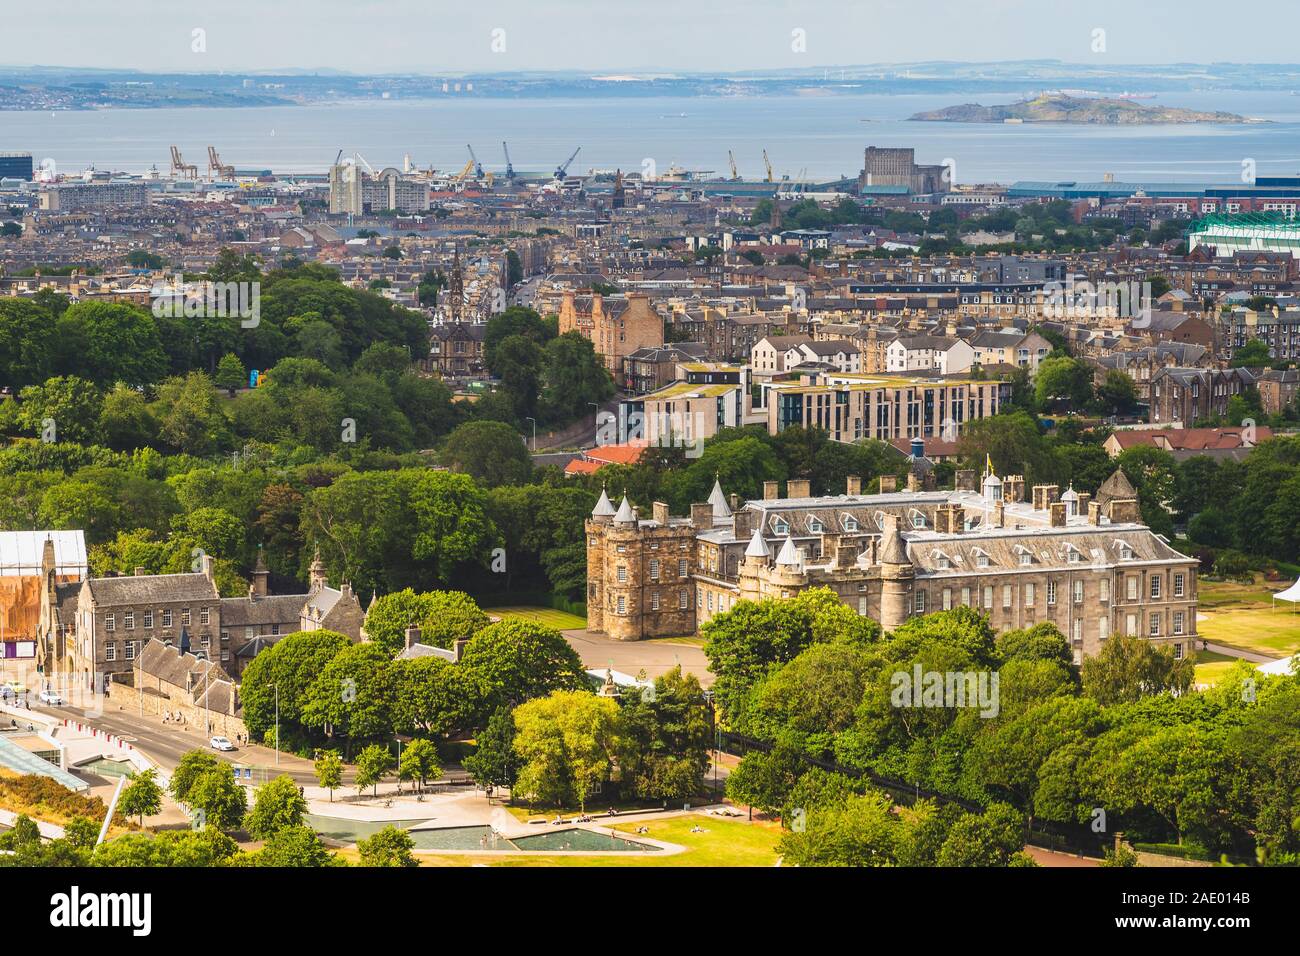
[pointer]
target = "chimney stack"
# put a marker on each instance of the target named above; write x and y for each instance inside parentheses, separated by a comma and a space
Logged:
(702, 516)
(771, 490)
(888, 484)
(1058, 512)
(412, 637)
(1094, 512)
(1044, 495)
(798, 488)
(853, 485)
(1013, 488)
(1124, 511)
(999, 514)
(966, 480)
(659, 510)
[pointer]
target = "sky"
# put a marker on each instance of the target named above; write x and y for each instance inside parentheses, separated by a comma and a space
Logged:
(436, 36)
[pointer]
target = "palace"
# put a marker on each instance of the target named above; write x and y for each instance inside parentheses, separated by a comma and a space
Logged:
(1088, 566)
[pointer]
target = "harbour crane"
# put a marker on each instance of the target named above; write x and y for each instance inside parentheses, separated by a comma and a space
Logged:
(461, 176)
(182, 168)
(563, 169)
(731, 158)
(510, 169)
(768, 163)
(216, 168)
(478, 167)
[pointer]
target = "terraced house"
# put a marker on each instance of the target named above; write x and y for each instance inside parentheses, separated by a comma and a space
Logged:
(1089, 567)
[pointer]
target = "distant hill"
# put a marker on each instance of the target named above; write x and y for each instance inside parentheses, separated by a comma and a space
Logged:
(1071, 109)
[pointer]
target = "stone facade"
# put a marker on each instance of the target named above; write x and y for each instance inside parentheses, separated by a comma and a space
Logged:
(1090, 569)
(616, 327)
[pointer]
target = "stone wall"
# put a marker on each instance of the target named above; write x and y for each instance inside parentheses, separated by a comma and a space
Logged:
(155, 702)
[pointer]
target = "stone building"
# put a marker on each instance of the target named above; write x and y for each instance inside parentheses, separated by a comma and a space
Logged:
(1188, 395)
(617, 327)
(1091, 569)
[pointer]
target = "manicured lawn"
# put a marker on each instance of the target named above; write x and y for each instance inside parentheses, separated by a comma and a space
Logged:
(560, 620)
(1210, 667)
(724, 843)
(1242, 616)
(695, 641)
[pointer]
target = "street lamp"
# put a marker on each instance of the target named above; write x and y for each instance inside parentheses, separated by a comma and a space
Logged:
(534, 421)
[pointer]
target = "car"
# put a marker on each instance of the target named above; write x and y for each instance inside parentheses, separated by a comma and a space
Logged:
(50, 697)
(221, 743)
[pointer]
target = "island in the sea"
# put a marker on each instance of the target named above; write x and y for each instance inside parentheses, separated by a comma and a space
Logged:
(1072, 109)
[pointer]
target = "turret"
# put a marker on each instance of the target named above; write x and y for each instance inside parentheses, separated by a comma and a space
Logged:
(897, 574)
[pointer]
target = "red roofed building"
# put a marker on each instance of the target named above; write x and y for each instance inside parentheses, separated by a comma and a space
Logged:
(1228, 442)
(593, 459)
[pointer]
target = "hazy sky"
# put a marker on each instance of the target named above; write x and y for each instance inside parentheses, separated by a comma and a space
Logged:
(372, 36)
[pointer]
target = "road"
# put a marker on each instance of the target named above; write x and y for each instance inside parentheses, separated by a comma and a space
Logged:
(630, 657)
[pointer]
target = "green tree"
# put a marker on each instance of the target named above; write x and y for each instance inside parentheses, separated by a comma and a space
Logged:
(494, 762)
(65, 408)
(221, 802)
(277, 805)
(295, 847)
(518, 660)
(567, 743)
(231, 374)
(1254, 354)
(490, 452)
(390, 846)
(419, 762)
(1129, 668)
(142, 797)
(374, 763)
(329, 770)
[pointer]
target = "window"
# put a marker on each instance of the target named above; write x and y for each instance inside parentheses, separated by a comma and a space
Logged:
(654, 600)
(185, 617)
(965, 597)
(681, 568)
(1078, 592)
(1026, 559)
(850, 523)
(1076, 630)
(275, 630)
(654, 569)
(947, 599)
(110, 622)
(621, 574)
(110, 651)
(942, 562)
(130, 650)
(709, 600)
(1103, 628)
(988, 597)
(1029, 595)
(981, 560)
(1103, 589)
(204, 640)
(1154, 622)
(918, 520)
(148, 619)
(1155, 587)
(203, 615)
(1178, 622)
(1006, 597)
(128, 620)
(1051, 592)
(167, 618)
(1073, 556)
(780, 526)
(1131, 587)
(622, 604)
(683, 601)
(1179, 585)
(1131, 624)
(1178, 652)
(918, 602)
(814, 526)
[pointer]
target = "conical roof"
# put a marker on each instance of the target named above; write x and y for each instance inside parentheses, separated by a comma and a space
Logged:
(604, 507)
(625, 512)
(719, 501)
(789, 556)
(758, 546)
(892, 548)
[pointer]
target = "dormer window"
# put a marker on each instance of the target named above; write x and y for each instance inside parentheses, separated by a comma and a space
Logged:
(981, 558)
(1072, 554)
(850, 523)
(1125, 551)
(918, 519)
(1026, 556)
(815, 526)
(780, 526)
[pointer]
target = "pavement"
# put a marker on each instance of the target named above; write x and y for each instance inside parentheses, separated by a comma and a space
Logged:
(1253, 656)
(630, 657)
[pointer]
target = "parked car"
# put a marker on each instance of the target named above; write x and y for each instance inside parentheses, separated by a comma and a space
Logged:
(50, 697)
(221, 743)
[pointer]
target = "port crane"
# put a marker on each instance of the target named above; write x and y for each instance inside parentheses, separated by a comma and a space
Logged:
(182, 168)
(478, 167)
(218, 169)
(510, 169)
(563, 169)
(731, 158)
(768, 163)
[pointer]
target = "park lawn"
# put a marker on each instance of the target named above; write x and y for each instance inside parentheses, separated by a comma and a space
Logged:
(724, 843)
(1243, 616)
(550, 617)
(1211, 666)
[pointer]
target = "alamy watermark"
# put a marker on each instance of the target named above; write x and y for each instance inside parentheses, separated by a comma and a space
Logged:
(1079, 298)
(947, 689)
(207, 300)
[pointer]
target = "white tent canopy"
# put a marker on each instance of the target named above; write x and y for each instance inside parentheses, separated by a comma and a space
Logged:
(1291, 594)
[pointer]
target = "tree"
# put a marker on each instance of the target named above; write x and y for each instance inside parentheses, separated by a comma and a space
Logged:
(518, 660)
(220, 801)
(567, 742)
(170, 848)
(443, 618)
(1253, 354)
(1129, 668)
(282, 674)
(353, 695)
(27, 342)
(494, 762)
(374, 763)
(295, 847)
(231, 374)
(1063, 380)
(1117, 394)
(862, 832)
(994, 838)
(193, 765)
(419, 762)
(110, 342)
(666, 733)
(277, 805)
(329, 770)
(71, 406)
(572, 377)
(390, 846)
(142, 797)
(490, 452)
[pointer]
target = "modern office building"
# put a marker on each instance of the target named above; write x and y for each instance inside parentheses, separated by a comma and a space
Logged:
(16, 166)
